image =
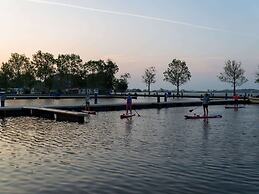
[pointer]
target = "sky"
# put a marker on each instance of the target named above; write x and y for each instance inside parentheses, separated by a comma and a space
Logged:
(137, 34)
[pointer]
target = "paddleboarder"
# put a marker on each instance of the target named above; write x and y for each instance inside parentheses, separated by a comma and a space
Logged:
(205, 104)
(129, 104)
(236, 97)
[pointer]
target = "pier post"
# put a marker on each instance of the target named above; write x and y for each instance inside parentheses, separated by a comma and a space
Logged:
(226, 96)
(3, 97)
(95, 98)
(158, 98)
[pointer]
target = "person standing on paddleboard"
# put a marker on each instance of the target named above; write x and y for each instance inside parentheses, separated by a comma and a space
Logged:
(129, 104)
(87, 101)
(205, 104)
(236, 97)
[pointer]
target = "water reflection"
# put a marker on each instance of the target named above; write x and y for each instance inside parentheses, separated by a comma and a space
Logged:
(128, 131)
(206, 124)
(129, 125)
(206, 127)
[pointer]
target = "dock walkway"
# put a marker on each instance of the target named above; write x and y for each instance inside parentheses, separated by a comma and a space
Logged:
(57, 114)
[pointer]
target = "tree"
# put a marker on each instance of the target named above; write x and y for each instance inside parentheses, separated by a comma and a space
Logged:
(4, 80)
(149, 77)
(121, 84)
(257, 77)
(44, 64)
(18, 72)
(70, 69)
(109, 70)
(233, 74)
(16, 69)
(102, 74)
(6, 75)
(177, 73)
(28, 76)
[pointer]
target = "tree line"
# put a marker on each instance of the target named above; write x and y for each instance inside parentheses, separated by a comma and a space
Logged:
(178, 74)
(45, 72)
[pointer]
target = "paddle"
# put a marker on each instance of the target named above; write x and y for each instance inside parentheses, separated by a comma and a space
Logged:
(137, 113)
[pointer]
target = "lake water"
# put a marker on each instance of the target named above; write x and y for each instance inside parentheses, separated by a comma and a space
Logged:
(159, 152)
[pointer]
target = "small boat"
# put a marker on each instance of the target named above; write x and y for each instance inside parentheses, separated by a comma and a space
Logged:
(89, 112)
(125, 116)
(234, 107)
(202, 117)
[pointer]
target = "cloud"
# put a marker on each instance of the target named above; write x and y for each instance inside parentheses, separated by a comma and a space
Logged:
(158, 19)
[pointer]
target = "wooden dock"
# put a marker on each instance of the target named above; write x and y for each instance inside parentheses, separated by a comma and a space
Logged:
(254, 100)
(57, 114)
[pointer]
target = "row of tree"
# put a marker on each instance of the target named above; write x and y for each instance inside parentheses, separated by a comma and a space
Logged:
(178, 74)
(69, 71)
(64, 72)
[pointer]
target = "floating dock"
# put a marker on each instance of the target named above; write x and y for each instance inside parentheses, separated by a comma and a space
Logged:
(57, 114)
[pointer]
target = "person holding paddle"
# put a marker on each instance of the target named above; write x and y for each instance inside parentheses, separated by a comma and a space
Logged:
(236, 97)
(205, 104)
(129, 104)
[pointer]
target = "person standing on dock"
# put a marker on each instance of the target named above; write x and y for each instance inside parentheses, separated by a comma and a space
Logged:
(87, 101)
(129, 104)
(205, 104)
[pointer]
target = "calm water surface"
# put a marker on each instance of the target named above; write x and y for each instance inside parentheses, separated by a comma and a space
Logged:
(159, 152)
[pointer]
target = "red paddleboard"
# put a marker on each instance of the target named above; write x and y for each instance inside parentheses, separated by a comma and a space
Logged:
(124, 116)
(89, 112)
(202, 117)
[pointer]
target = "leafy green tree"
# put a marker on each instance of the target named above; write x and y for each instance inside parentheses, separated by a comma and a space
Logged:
(77, 70)
(70, 68)
(62, 71)
(177, 73)
(233, 74)
(63, 66)
(109, 70)
(121, 84)
(7, 75)
(44, 64)
(4, 80)
(28, 76)
(101, 74)
(93, 67)
(149, 77)
(17, 72)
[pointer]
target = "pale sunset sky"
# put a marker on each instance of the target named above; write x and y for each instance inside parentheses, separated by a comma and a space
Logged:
(137, 34)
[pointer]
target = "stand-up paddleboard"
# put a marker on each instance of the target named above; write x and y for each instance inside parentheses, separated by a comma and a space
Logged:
(89, 112)
(124, 116)
(202, 117)
(234, 107)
